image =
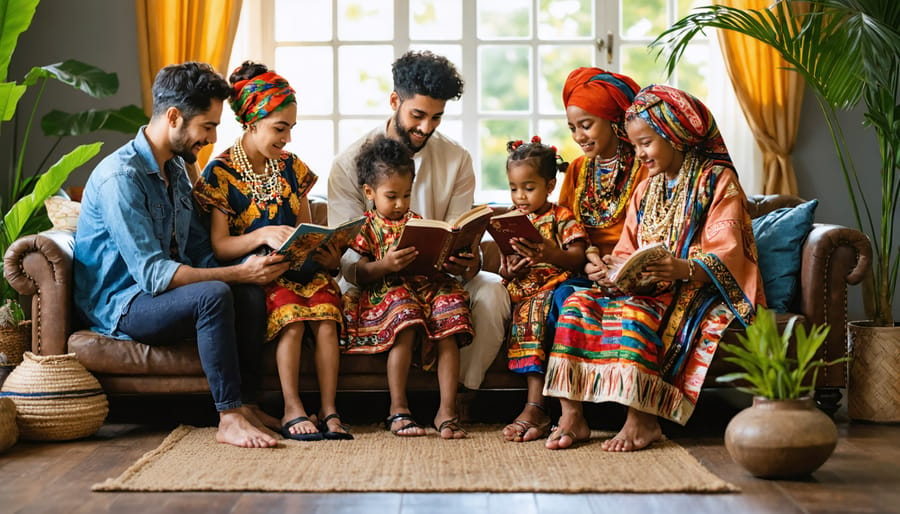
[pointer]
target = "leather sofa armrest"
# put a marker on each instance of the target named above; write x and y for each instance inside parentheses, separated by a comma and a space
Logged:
(40, 266)
(833, 257)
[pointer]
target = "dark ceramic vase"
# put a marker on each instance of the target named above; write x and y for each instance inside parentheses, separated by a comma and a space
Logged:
(781, 438)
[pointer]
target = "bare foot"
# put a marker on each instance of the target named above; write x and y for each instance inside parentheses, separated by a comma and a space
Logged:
(641, 429)
(305, 426)
(573, 428)
(260, 418)
(529, 425)
(237, 430)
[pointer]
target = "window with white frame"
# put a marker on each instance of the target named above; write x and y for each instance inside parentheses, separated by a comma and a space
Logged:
(514, 56)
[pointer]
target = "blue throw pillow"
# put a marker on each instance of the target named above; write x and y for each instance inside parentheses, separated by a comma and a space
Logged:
(779, 241)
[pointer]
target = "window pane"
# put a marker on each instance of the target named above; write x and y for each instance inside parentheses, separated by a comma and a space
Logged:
(693, 71)
(504, 79)
(565, 19)
(556, 133)
(313, 142)
(313, 96)
(684, 8)
(643, 18)
(452, 129)
(351, 130)
(306, 19)
(365, 79)
(366, 20)
(507, 19)
(494, 134)
(433, 19)
(555, 64)
(639, 64)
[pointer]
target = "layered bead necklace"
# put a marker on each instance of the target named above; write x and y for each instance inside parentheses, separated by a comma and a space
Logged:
(264, 187)
(664, 212)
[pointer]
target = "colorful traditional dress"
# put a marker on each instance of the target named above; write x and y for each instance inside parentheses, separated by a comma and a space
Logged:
(221, 186)
(376, 312)
(532, 295)
(652, 352)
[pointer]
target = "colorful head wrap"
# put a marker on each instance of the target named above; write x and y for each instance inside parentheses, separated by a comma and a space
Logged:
(599, 92)
(253, 99)
(682, 120)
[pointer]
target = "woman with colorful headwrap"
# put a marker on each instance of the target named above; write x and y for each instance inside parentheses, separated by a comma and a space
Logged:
(650, 352)
(256, 193)
(596, 188)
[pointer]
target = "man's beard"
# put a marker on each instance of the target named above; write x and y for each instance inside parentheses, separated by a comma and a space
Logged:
(182, 147)
(403, 132)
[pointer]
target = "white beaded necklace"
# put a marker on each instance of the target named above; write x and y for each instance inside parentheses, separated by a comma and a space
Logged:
(264, 188)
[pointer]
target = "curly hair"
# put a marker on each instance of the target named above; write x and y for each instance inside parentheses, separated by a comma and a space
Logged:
(190, 87)
(247, 70)
(424, 73)
(542, 157)
(382, 157)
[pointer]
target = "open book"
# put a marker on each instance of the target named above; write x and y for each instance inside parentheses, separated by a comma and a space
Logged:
(307, 237)
(437, 240)
(626, 276)
(514, 223)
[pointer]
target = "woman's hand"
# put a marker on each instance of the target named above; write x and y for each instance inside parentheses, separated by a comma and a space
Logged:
(328, 257)
(668, 268)
(273, 236)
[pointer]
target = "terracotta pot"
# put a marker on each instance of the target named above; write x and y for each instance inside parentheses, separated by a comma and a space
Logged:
(781, 438)
(873, 390)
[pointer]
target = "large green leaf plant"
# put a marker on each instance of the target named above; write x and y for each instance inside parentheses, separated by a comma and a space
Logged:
(848, 52)
(24, 191)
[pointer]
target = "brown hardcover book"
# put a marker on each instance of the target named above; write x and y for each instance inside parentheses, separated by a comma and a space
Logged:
(626, 277)
(437, 240)
(515, 223)
(307, 237)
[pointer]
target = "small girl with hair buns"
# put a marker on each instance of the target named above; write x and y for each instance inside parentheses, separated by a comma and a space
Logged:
(534, 272)
(256, 192)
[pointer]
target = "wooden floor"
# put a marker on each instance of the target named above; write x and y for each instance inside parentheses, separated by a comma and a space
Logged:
(863, 474)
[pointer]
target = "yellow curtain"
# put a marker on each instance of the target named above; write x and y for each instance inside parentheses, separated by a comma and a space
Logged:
(176, 31)
(770, 97)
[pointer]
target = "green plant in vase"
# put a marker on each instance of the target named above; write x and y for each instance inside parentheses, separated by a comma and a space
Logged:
(22, 197)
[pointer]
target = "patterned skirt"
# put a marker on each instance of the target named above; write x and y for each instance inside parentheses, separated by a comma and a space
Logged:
(437, 305)
(288, 302)
(609, 349)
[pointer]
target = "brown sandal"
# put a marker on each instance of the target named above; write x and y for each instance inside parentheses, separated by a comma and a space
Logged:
(453, 425)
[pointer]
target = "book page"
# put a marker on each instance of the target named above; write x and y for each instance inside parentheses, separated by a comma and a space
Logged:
(627, 275)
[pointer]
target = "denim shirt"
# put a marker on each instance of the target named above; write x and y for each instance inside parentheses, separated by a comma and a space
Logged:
(125, 229)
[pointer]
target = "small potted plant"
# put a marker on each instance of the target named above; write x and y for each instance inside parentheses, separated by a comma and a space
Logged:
(15, 336)
(782, 434)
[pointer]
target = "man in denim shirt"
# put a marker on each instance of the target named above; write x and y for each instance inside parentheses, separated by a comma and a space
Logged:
(143, 265)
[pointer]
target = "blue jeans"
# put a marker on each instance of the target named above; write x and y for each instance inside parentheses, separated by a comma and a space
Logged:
(230, 351)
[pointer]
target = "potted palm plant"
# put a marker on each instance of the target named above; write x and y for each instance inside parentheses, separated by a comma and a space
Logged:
(782, 434)
(22, 197)
(848, 52)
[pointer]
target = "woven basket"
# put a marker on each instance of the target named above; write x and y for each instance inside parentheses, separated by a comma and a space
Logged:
(56, 397)
(14, 342)
(9, 432)
(874, 385)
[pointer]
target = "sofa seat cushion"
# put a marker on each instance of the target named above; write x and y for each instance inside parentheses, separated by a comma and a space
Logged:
(108, 355)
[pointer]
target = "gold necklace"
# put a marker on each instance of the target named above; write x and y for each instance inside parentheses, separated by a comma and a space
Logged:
(664, 214)
(264, 188)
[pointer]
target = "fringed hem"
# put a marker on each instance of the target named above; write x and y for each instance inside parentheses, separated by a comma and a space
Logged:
(624, 384)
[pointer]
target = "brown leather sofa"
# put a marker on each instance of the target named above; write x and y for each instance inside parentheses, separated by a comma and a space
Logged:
(833, 257)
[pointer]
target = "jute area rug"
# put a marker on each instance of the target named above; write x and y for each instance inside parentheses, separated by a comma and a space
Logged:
(189, 459)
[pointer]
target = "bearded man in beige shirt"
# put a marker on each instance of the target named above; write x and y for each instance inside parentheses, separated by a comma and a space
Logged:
(443, 189)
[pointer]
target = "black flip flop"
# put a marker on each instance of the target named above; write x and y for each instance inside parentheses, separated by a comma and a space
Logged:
(405, 416)
(286, 432)
(329, 434)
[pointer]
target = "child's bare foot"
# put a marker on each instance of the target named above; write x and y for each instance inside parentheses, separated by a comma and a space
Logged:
(531, 424)
(641, 429)
(237, 430)
(403, 424)
(572, 429)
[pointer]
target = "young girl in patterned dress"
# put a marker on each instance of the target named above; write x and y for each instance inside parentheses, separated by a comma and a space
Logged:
(256, 192)
(535, 271)
(390, 310)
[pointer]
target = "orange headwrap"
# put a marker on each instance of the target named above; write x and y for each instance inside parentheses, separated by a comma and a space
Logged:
(599, 92)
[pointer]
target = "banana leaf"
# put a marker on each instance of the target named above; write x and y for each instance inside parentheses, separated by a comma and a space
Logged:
(15, 18)
(10, 93)
(89, 79)
(126, 120)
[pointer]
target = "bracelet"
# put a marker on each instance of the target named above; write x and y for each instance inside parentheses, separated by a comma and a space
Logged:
(591, 249)
(690, 276)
